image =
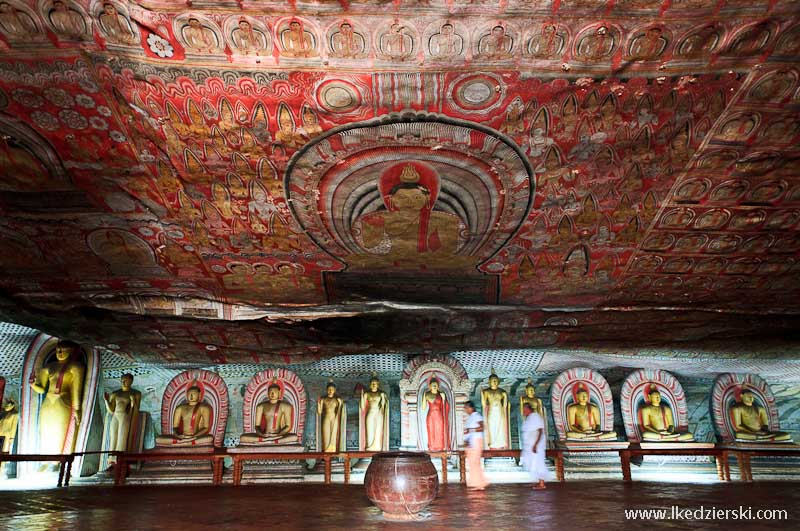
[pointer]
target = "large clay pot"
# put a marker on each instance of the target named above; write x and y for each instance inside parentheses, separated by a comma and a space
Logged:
(401, 484)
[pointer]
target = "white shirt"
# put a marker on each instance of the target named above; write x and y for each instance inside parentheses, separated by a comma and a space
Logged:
(532, 424)
(473, 422)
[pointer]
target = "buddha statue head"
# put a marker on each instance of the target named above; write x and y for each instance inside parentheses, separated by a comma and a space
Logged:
(494, 380)
(747, 396)
(65, 349)
(433, 385)
(374, 383)
(274, 391)
(582, 395)
(330, 389)
(126, 381)
(193, 395)
(654, 395)
(9, 405)
(530, 390)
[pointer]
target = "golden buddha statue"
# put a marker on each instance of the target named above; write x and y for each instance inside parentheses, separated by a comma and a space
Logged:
(274, 418)
(750, 421)
(331, 418)
(583, 419)
(191, 422)
(9, 419)
(530, 398)
(123, 407)
(61, 381)
(658, 424)
(496, 409)
(374, 415)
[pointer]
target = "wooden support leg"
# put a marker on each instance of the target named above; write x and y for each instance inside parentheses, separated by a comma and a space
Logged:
(346, 470)
(218, 467)
(748, 467)
(720, 468)
(444, 469)
(68, 474)
(740, 459)
(560, 466)
(61, 466)
(327, 469)
(238, 465)
(462, 467)
(625, 459)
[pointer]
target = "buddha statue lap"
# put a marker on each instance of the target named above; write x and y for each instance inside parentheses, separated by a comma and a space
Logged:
(191, 423)
(583, 419)
(274, 418)
(658, 423)
(751, 423)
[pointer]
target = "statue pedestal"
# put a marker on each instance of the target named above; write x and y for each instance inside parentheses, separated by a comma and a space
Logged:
(270, 470)
(592, 445)
(204, 449)
(671, 445)
(761, 446)
(266, 448)
(174, 472)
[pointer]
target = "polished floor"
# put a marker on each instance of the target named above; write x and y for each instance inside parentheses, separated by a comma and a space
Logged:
(574, 505)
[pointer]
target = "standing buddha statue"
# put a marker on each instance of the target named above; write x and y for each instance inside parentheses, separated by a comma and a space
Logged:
(123, 407)
(496, 412)
(437, 420)
(61, 383)
(374, 418)
(331, 419)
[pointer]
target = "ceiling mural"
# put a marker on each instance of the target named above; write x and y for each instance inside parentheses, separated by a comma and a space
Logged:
(228, 180)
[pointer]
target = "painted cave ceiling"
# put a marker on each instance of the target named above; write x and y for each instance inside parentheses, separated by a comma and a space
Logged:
(269, 181)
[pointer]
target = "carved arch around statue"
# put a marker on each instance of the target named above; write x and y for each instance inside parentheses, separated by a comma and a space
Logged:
(292, 391)
(563, 391)
(453, 382)
(471, 174)
(213, 391)
(726, 392)
(40, 352)
(633, 396)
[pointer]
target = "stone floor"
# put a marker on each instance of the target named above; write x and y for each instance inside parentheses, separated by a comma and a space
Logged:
(574, 505)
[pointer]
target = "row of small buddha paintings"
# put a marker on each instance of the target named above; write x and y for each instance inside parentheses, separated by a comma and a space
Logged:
(433, 393)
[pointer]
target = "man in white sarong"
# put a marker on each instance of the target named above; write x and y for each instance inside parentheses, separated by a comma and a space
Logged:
(533, 447)
(473, 437)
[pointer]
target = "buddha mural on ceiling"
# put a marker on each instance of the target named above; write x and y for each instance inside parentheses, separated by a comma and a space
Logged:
(425, 201)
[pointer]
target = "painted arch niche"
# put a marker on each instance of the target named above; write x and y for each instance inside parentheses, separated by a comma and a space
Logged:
(411, 205)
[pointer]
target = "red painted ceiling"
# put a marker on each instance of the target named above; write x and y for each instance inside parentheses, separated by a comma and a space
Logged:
(212, 182)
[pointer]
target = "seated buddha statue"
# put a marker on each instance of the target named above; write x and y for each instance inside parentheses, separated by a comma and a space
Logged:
(273, 421)
(658, 424)
(583, 420)
(750, 421)
(191, 423)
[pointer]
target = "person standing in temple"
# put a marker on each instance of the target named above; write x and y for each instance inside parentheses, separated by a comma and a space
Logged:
(534, 446)
(473, 437)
